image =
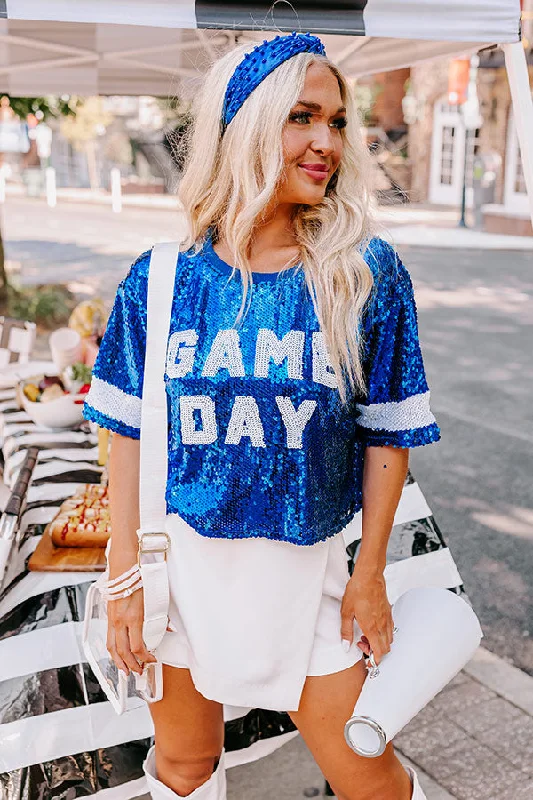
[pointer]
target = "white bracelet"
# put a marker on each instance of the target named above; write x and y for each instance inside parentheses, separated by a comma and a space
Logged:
(122, 595)
(124, 585)
(124, 575)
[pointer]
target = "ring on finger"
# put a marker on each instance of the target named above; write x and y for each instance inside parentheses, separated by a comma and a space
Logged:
(372, 660)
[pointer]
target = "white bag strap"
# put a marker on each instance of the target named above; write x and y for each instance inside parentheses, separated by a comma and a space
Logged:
(154, 542)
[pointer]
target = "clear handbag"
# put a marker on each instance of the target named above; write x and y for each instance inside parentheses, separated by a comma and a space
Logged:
(117, 687)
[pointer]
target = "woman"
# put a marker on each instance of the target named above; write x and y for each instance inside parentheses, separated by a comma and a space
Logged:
(295, 387)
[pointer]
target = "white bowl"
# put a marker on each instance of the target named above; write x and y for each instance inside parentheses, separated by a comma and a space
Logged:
(62, 412)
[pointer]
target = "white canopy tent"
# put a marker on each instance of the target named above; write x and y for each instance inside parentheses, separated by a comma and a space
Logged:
(85, 47)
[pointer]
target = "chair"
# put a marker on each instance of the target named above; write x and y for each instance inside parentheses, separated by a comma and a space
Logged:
(17, 339)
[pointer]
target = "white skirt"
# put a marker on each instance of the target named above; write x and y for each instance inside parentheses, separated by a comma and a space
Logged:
(252, 618)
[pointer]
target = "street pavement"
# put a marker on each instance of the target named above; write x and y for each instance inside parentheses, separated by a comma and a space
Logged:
(476, 327)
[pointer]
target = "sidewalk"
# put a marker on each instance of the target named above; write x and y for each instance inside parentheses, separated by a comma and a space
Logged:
(410, 224)
(99, 197)
(473, 742)
(436, 226)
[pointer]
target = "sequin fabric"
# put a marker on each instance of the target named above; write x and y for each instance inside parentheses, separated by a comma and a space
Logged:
(259, 63)
(259, 442)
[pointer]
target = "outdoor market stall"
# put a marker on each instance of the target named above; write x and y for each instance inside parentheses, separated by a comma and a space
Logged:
(58, 736)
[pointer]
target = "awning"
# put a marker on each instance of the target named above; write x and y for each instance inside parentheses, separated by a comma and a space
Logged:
(90, 58)
(140, 47)
(160, 47)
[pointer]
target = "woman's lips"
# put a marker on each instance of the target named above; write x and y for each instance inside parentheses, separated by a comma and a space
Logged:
(318, 173)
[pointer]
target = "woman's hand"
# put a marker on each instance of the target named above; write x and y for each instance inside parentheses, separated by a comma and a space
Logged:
(124, 633)
(125, 617)
(365, 599)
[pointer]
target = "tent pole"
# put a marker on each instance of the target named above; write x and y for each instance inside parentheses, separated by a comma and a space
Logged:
(516, 65)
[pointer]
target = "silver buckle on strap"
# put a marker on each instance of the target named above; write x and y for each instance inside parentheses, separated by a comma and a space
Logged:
(145, 547)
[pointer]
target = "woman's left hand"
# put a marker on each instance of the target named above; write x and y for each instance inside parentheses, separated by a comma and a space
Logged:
(365, 599)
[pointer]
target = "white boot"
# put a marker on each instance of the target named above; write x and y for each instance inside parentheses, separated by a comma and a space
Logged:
(213, 789)
(418, 794)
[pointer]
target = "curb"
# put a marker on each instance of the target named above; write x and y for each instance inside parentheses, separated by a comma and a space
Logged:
(452, 238)
(162, 202)
(496, 674)
(509, 682)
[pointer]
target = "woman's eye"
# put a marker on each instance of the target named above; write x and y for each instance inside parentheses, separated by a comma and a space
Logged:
(305, 116)
(340, 123)
(300, 116)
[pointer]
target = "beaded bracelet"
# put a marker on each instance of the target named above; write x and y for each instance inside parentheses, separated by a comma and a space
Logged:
(123, 586)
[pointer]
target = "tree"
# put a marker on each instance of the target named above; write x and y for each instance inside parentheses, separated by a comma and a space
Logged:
(82, 130)
(45, 107)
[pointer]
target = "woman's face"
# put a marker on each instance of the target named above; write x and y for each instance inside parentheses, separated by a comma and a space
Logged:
(312, 138)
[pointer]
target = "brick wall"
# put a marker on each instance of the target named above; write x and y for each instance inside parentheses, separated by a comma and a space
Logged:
(429, 83)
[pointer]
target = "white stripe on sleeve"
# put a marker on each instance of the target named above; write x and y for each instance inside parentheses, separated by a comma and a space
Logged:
(404, 415)
(114, 403)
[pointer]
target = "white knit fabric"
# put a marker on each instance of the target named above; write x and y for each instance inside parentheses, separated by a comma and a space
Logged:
(418, 794)
(413, 412)
(113, 402)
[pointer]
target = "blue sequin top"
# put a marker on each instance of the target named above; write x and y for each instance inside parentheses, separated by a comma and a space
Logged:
(259, 443)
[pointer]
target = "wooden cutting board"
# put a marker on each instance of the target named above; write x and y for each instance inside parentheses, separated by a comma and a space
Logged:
(49, 558)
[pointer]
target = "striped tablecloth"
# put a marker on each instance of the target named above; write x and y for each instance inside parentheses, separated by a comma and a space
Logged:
(59, 737)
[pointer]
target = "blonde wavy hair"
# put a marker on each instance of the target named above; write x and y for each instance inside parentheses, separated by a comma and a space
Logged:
(229, 180)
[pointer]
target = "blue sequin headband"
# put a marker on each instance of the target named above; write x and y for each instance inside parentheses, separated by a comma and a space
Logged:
(263, 60)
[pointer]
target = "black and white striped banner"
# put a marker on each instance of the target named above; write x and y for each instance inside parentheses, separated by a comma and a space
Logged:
(59, 737)
(488, 21)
